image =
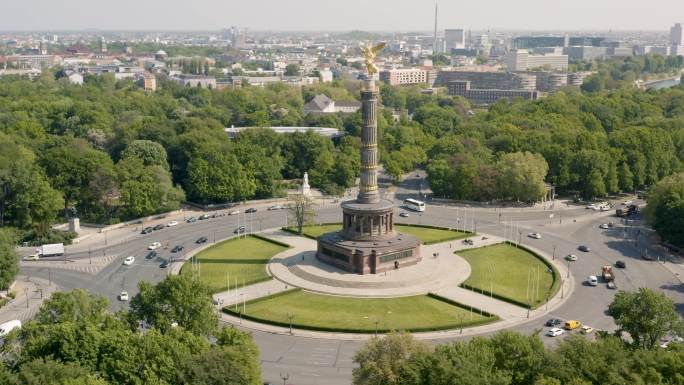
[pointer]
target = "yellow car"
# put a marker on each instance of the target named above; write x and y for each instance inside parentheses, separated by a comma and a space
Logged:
(572, 324)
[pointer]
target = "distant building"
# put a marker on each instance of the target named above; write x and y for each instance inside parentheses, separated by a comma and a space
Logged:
(322, 104)
(528, 42)
(196, 81)
(488, 96)
(586, 52)
(323, 131)
(161, 55)
(488, 80)
(103, 45)
(454, 39)
(149, 82)
(676, 35)
(404, 76)
(522, 60)
(75, 78)
(326, 75)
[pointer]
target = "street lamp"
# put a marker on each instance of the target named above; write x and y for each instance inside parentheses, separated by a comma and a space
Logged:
(290, 316)
(285, 377)
(554, 252)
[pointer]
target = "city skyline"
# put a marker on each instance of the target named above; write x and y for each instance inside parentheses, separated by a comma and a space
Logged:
(308, 15)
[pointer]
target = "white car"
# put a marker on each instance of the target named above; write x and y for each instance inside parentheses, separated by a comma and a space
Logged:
(32, 257)
(604, 208)
(234, 212)
(592, 280)
(626, 203)
(591, 207)
(555, 332)
(571, 257)
(276, 207)
(604, 226)
(129, 260)
(534, 235)
(172, 223)
(404, 215)
(7, 327)
(123, 296)
(154, 246)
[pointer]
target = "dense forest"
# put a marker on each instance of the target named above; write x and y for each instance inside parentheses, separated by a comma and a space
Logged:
(108, 151)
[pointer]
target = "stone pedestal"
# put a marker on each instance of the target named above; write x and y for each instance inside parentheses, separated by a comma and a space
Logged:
(74, 225)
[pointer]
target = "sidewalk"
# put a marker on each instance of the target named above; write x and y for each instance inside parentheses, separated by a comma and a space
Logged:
(28, 300)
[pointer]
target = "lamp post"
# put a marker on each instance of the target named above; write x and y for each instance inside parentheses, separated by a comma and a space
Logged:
(554, 252)
(285, 377)
(290, 317)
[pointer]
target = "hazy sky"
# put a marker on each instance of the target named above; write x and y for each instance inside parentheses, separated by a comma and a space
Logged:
(339, 14)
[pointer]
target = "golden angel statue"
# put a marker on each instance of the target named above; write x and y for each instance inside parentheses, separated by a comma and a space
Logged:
(370, 52)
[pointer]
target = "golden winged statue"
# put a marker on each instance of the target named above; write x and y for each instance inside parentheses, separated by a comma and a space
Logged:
(370, 53)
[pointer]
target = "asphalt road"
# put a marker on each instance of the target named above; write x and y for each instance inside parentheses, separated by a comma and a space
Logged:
(310, 361)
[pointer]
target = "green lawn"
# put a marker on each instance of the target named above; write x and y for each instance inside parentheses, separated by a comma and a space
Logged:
(244, 259)
(510, 272)
(426, 235)
(325, 312)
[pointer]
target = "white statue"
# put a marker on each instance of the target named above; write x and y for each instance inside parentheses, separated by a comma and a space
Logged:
(306, 189)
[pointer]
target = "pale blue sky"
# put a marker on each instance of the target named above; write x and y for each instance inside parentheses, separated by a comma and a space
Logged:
(340, 14)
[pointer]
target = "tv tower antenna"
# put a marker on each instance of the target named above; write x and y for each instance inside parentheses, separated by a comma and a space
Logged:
(434, 42)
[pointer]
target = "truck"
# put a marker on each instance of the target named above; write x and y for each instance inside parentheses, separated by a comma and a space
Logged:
(50, 250)
(607, 273)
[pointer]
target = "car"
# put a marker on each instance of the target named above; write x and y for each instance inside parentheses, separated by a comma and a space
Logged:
(239, 230)
(404, 215)
(626, 203)
(250, 210)
(177, 248)
(584, 248)
(605, 208)
(612, 285)
(572, 324)
(158, 227)
(201, 240)
(151, 254)
(586, 329)
(620, 264)
(164, 264)
(571, 257)
(534, 235)
(555, 332)
(204, 216)
(591, 207)
(172, 223)
(7, 327)
(553, 322)
(276, 207)
(234, 212)
(32, 257)
(154, 246)
(191, 220)
(646, 257)
(147, 230)
(123, 296)
(592, 280)
(604, 226)
(129, 260)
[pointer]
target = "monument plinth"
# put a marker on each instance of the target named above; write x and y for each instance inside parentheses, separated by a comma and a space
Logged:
(368, 243)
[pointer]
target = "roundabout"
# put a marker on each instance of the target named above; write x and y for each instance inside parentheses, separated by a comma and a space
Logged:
(307, 297)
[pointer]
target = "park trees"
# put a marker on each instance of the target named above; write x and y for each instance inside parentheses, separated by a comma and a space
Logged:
(9, 265)
(381, 360)
(179, 299)
(646, 315)
(146, 190)
(300, 208)
(521, 176)
(151, 153)
(665, 210)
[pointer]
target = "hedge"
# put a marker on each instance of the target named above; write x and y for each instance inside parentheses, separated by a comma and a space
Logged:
(258, 236)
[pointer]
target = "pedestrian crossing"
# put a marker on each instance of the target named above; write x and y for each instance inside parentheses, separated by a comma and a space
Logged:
(87, 266)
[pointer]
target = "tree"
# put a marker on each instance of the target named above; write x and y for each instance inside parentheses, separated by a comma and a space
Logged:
(9, 264)
(301, 211)
(646, 315)
(665, 209)
(151, 153)
(46, 371)
(74, 306)
(521, 176)
(146, 190)
(292, 70)
(182, 299)
(381, 360)
(220, 366)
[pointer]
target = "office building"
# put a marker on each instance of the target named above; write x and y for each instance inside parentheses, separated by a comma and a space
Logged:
(529, 42)
(522, 60)
(488, 96)
(200, 81)
(676, 35)
(454, 39)
(103, 45)
(488, 80)
(586, 52)
(405, 76)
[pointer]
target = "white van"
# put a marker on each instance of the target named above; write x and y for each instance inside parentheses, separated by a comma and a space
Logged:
(8, 326)
(592, 280)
